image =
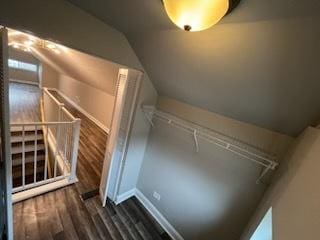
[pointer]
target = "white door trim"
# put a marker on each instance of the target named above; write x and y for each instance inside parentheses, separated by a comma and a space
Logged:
(116, 151)
(5, 125)
(113, 135)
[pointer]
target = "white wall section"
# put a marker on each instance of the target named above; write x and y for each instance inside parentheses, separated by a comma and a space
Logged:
(96, 102)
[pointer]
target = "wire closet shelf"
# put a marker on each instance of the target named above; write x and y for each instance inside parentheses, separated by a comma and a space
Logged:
(250, 152)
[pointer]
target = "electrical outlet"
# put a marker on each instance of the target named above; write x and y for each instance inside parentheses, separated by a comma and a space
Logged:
(156, 195)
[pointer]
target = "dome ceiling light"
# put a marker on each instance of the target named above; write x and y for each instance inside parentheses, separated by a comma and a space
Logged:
(198, 15)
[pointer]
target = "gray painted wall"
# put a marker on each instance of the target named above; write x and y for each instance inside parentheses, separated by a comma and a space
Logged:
(258, 65)
(210, 194)
(204, 196)
(294, 194)
(23, 75)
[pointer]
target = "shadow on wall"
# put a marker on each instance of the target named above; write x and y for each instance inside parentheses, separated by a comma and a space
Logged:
(205, 194)
(250, 11)
(264, 230)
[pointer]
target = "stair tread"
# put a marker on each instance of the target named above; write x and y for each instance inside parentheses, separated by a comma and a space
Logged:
(16, 161)
(27, 143)
(29, 169)
(26, 131)
(17, 182)
(28, 138)
(27, 154)
(26, 128)
(27, 148)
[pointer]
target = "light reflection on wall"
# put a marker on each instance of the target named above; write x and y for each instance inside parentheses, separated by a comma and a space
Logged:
(264, 230)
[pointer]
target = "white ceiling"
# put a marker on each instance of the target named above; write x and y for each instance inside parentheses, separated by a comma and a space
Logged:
(93, 71)
(258, 65)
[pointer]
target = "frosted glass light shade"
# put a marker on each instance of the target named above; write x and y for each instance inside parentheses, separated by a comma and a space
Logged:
(195, 15)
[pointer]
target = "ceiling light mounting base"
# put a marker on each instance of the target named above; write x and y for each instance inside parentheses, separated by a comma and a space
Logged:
(187, 28)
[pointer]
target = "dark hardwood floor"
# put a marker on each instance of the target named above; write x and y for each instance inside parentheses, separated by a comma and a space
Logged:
(63, 215)
(24, 103)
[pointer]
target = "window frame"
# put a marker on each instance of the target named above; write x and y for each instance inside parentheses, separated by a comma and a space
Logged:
(24, 66)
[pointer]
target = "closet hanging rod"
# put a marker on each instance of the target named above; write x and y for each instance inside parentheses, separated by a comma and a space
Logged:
(256, 155)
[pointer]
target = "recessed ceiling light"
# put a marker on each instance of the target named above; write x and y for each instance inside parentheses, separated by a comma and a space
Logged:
(51, 45)
(29, 43)
(56, 51)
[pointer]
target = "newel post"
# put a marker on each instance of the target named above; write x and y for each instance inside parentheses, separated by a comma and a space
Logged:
(75, 147)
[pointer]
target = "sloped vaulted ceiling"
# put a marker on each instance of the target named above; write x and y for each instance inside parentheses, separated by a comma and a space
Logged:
(260, 64)
(90, 70)
(93, 71)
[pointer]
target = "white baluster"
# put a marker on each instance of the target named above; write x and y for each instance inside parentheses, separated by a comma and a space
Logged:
(56, 152)
(23, 157)
(46, 153)
(35, 155)
(75, 146)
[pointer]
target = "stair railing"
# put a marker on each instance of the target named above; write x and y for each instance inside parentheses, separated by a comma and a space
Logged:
(58, 137)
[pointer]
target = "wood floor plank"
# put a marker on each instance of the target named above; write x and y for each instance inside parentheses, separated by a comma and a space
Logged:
(59, 236)
(42, 215)
(53, 219)
(124, 232)
(102, 229)
(31, 226)
(18, 225)
(128, 224)
(24, 102)
(106, 218)
(153, 229)
(64, 214)
(80, 216)
(108, 221)
(143, 231)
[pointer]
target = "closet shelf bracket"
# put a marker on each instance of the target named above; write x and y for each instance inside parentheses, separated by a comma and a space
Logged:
(196, 140)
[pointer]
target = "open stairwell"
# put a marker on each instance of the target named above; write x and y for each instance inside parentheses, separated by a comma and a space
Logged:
(44, 145)
(30, 144)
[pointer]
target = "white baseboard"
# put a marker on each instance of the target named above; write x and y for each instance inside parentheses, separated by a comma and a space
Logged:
(84, 112)
(124, 196)
(24, 82)
(173, 233)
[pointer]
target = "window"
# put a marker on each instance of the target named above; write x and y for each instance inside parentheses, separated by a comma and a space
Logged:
(22, 65)
(264, 230)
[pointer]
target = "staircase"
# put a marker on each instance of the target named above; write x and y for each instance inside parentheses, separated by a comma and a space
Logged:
(44, 153)
(29, 144)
